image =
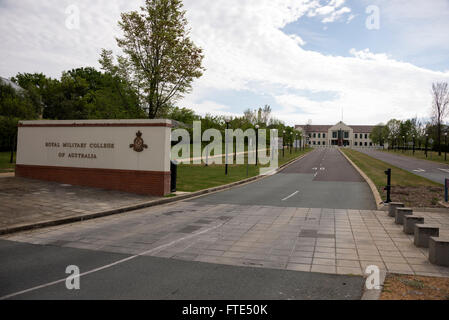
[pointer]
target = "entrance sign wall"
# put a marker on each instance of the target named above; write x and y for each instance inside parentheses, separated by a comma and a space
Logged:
(124, 155)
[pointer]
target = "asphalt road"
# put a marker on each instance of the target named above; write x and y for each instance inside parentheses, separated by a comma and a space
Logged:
(151, 278)
(322, 179)
(431, 170)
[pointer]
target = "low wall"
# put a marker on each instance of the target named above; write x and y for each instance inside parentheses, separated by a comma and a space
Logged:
(124, 155)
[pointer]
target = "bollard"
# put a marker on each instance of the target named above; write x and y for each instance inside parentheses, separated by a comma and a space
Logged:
(388, 187)
(446, 190)
(174, 175)
(400, 213)
(392, 206)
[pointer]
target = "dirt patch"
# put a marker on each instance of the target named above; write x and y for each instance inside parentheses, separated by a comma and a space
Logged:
(408, 287)
(417, 197)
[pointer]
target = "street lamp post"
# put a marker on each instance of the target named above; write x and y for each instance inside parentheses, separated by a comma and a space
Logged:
(257, 144)
(427, 139)
(227, 146)
(291, 143)
(283, 144)
(403, 150)
(296, 143)
(414, 139)
(445, 146)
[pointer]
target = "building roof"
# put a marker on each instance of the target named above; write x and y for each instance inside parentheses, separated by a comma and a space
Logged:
(316, 128)
(325, 128)
(362, 129)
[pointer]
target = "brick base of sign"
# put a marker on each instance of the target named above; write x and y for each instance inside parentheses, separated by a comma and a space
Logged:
(139, 182)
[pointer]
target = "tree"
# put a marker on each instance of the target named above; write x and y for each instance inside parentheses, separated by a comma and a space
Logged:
(379, 135)
(440, 93)
(83, 93)
(160, 59)
(394, 130)
(14, 106)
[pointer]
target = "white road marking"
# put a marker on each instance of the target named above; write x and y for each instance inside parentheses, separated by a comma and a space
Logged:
(444, 170)
(419, 170)
(322, 169)
(292, 195)
(315, 169)
(151, 251)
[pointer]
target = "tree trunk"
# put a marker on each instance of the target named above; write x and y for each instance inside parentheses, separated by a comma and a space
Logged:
(439, 138)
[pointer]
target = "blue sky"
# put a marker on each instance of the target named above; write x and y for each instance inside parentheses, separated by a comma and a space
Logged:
(308, 59)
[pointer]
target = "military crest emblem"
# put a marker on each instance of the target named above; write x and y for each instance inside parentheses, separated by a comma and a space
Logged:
(139, 145)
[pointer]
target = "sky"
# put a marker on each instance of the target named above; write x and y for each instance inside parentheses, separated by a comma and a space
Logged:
(364, 61)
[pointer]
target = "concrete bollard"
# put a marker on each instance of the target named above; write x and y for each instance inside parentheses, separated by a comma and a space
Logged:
(392, 208)
(439, 251)
(423, 232)
(409, 223)
(400, 213)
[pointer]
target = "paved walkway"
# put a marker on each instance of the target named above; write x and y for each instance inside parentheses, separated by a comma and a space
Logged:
(428, 169)
(302, 239)
(25, 201)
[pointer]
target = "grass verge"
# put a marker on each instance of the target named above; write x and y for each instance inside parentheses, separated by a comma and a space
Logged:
(408, 287)
(193, 178)
(5, 166)
(419, 154)
(413, 190)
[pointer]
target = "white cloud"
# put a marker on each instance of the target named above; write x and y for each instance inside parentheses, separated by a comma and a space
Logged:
(297, 39)
(366, 54)
(245, 50)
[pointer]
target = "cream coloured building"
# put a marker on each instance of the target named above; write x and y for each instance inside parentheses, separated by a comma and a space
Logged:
(338, 135)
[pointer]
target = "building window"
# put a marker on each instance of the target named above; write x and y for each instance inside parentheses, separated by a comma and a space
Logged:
(319, 135)
(356, 136)
(355, 143)
(314, 135)
(324, 136)
(370, 144)
(314, 143)
(324, 143)
(366, 144)
(319, 143)
(334, 135)
(346, 135)
(366, 136)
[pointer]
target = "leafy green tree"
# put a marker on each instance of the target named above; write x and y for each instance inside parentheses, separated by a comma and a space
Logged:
(160, 59)
(394, 132)
(82, 93)
(379, 135)
(14, 106)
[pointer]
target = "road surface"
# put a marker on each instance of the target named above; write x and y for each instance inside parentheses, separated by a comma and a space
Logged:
(322, 179)
(264, 240)
(434, 171)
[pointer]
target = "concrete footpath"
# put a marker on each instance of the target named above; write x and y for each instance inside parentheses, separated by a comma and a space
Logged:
(29, 204)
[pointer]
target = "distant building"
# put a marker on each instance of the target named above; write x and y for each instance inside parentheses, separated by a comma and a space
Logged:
(338, 135)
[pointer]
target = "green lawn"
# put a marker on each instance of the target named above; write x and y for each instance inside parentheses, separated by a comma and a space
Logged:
(419, 154)
(193, 178)
(5, 166)
(407, 187)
